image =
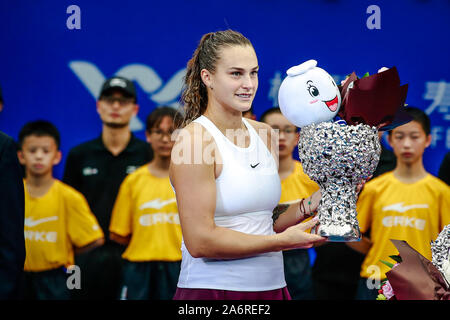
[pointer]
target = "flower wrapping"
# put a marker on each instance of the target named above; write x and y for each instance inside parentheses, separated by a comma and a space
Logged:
(375, 100)
(416, 278)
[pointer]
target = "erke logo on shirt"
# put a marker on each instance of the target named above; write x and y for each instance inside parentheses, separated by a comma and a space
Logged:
(404, 221)
(159, 217)
(394, 221)
(156, 204)
(147, 220)
(400, 208)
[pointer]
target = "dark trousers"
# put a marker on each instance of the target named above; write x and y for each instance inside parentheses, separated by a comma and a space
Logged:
(101, 269)
(46, 285)
(150, 280)
(326, 290)
(364, 293)
(298, 273)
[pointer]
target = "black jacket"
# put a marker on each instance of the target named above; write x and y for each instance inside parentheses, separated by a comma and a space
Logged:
(12, 215)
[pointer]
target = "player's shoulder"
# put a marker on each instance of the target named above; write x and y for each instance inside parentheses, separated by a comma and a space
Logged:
(192, 137)
(193, 128)
(259, 125)
(265, 132)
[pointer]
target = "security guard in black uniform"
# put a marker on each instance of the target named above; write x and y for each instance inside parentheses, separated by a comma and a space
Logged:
(97, 168)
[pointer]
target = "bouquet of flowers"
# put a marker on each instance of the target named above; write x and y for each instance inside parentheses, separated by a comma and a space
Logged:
(376, 100)
(386, 292)
(414, 277)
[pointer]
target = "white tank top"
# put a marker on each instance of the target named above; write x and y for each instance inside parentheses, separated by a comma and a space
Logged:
(248, 189)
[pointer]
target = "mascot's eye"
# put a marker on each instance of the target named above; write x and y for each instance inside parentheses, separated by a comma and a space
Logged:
(313, 91)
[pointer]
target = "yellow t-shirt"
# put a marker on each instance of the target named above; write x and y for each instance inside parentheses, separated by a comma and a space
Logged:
(146, 208)
(53, 224)
(391, 209)
(297, 186)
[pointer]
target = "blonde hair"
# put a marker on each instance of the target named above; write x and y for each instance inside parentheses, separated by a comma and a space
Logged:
(195, 96)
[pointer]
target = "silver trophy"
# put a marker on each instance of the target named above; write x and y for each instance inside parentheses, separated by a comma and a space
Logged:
(338, 157)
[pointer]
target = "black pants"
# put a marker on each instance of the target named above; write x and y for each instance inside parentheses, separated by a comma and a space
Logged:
(101, 269)
(364, 292)
(327, 290)
(298, 272)
(152, 280)
(46, 285)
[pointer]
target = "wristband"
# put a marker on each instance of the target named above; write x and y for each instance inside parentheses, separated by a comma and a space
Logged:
(309, 206)
(301, 211)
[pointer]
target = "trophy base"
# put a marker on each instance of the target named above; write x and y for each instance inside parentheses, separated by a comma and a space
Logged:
(338, 233)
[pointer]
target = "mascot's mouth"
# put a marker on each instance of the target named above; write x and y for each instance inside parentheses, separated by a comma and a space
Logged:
(332, 104)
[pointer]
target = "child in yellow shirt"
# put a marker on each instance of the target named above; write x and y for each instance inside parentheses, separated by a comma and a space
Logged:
(145, 219)
(407, 204)
(58, 221)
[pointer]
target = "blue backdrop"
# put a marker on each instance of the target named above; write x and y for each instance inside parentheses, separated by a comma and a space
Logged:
(50, 71)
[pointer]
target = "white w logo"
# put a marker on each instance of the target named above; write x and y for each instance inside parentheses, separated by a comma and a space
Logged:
(145, 76)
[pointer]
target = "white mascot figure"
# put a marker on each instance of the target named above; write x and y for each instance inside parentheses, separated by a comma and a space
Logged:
(309, 95)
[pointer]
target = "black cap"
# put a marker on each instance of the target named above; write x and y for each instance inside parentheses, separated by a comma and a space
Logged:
(118, 83)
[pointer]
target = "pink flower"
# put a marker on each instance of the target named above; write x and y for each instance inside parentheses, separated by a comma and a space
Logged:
(388, 292)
